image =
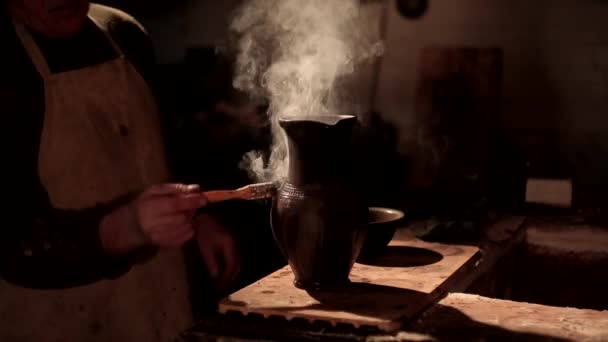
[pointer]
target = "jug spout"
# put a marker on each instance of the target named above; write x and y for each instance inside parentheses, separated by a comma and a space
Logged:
(329, 120)
(301, 127)
(319, 147)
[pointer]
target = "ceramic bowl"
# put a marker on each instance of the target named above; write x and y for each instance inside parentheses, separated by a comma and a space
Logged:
(382, 225)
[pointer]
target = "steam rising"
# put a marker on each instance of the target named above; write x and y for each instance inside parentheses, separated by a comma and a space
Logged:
(298, 54)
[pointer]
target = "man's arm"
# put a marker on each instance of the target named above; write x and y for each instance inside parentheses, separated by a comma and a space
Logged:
(44, 247)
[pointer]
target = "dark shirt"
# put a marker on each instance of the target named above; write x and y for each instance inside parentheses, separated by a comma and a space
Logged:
(41, 246)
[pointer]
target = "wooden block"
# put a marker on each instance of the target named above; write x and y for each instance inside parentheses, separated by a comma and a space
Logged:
(552, 192)
(385, 291)
(471, 317)
(504, 229)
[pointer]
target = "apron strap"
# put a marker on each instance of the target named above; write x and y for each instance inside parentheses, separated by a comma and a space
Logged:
(36, 55)
(107, 34)
(32, 49)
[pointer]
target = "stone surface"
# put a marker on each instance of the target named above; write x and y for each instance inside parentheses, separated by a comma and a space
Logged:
(563, 264)
(588, 242)
(473, 317)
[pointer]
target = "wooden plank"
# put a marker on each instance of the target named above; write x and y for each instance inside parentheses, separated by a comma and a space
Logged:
(472, 317)
(457, 98)
(385, 291)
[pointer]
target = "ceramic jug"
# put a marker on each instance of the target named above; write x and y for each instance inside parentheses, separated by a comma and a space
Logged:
(319, 217)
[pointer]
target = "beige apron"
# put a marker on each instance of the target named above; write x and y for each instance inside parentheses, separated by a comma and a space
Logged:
(101, 139)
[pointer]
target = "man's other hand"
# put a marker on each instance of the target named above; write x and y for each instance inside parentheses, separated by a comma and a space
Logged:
(219, 251)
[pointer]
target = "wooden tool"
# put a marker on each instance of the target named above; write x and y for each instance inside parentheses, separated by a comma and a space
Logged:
(249, 192)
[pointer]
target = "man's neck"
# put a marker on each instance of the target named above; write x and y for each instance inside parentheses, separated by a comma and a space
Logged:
(89, 47)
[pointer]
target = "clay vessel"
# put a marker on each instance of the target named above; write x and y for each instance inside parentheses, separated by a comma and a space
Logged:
(319, 218)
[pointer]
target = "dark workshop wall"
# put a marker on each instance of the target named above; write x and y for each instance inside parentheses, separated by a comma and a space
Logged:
(198, 23)
(555, 78)
(195, 23)
(555, 74)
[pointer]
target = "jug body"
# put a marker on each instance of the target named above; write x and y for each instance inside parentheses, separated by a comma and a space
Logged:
(319, 217)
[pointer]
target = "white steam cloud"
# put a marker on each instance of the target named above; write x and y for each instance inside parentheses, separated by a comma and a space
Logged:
(298, 54)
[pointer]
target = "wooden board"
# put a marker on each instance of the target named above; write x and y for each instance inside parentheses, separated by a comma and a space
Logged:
(386, 291)
(474, 318)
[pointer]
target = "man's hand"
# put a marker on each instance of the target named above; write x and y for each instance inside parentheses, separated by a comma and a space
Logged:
(218, 249)
(165, 213)
(161, 216)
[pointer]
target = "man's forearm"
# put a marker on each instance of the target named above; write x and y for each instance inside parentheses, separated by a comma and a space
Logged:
(120, 233)
(58, 249)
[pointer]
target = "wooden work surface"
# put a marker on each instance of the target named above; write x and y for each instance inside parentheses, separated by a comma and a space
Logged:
(408, 278)
(475, 318)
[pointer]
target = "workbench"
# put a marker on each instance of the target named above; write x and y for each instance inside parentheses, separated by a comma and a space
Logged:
(419, 297)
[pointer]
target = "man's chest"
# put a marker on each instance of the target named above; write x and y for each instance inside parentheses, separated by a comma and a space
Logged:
(22, 89)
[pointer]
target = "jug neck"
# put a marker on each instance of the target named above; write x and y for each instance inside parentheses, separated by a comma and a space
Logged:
(319, 152)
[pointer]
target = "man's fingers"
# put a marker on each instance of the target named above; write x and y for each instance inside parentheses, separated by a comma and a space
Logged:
(210, 261)
(180, 203)
(229, 254)
(230, 267)
(189, 202)
(183, 238)
(173, 235)
(172, 189)
(173, 240)
(174, 220)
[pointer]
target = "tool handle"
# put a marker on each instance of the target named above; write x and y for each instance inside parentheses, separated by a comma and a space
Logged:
(221, 195)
